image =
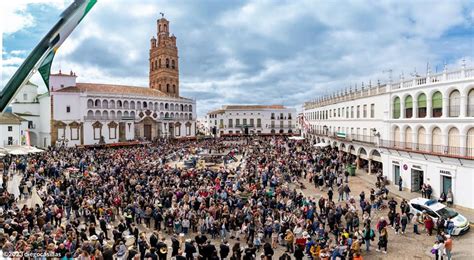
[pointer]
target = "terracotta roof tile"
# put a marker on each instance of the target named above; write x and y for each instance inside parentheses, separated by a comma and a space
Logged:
(242, 107)
(10, 118)
(115, 89)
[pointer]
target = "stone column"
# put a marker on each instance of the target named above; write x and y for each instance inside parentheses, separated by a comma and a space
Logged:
(370, 166)
(445, 107)
(463, 106)
(428, 108)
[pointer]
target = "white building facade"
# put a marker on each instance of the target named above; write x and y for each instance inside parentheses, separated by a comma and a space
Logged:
(419, 129)
(89, 113)
(13, 130)
(36, 109)
(251, 119)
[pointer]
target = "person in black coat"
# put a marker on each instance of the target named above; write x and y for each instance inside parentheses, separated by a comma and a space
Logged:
(299, 254)
(154, 240)
(224, 250)
(189, 249)
(268, 250)
(208, 251)
(162, 249)
(174, 245)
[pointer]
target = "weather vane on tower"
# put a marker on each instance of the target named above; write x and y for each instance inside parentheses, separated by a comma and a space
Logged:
(162, 14)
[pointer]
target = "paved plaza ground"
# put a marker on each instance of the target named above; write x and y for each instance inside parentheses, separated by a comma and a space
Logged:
(405, 246)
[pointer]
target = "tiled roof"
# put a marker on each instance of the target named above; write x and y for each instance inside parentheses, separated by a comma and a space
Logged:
(245, 107)
(114, 89)
(10, 118)
(242, 107)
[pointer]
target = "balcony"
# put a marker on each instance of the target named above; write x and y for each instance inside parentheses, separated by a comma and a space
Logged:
(364, 139)
(440, 150)
(244, 125)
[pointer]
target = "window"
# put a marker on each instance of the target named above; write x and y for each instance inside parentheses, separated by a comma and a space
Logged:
(454, 104)
(396, 108)
(470, 103)
(244, 121)
(68, 109)
(230, 123)
(365, 111)
(10, 128)
(347, 112)
(437, 104)
(421, 105)
(251, 122)
(372, 111)
(25, 96)
(31, 125)
(408, 107)
(10, 140)
(237, 122)
(358, 111)
(352, 112)
(259, 122)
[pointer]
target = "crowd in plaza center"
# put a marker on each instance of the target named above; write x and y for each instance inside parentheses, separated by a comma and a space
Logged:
(136, 203)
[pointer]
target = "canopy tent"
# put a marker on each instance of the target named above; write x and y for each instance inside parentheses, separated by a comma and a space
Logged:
(298, 138)
(321, 145)
(17, 151)
(23, 150)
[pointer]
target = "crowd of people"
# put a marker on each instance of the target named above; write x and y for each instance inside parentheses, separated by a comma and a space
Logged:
(138, 203)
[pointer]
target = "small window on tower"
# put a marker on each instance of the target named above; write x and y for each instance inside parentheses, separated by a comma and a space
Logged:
(172, 64)
(68, 109)
(167, 63)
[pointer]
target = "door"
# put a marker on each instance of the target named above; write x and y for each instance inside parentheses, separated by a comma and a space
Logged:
(446, 181)
(147, 132)
(416, 180)
(122, 137)
(396, 174)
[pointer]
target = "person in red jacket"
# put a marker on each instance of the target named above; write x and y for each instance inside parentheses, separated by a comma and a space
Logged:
(429, 224)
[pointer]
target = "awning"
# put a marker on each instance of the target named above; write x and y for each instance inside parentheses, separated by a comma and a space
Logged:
(298, 138)
(321, 145)
(17, 152)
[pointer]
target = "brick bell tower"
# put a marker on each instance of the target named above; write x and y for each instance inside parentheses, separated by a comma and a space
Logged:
(164, 70)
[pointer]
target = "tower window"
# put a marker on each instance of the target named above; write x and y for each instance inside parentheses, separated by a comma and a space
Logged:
(167, 63)
(167, 87)
(172, 64)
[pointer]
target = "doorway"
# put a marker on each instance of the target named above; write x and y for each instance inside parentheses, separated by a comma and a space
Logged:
(147, 132)
(416, 180)
(122, 132)
(396, 174)
(446, 181)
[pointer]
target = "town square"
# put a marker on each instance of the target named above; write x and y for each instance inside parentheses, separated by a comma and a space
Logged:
(236, 130)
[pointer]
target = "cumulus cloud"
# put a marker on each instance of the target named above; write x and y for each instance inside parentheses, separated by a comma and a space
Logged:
(265, 52)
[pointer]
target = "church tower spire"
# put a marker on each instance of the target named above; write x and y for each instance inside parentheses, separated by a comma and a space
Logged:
(164, 72)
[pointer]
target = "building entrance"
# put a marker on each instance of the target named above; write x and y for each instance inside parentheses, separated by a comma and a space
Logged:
(396, 174)
(446, 182)
(147, 132)
(416, 180)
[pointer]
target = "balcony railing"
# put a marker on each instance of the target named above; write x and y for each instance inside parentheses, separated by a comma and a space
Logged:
(442, 150)
(244, 125)
(370, 90)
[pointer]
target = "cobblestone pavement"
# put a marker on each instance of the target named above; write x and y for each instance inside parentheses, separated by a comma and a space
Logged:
(403, 246)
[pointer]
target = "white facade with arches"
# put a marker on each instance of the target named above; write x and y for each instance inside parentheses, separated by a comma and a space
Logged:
(423, 129)
(88, 113)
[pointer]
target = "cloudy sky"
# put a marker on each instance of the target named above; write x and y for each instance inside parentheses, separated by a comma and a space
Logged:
(252, 52)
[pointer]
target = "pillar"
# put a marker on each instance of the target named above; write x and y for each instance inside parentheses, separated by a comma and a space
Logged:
(463, 106)
(370, 166)
(428, 108)
(445, 107)
(358, 162)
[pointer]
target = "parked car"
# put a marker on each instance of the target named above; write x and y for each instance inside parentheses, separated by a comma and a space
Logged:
(435, 210)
